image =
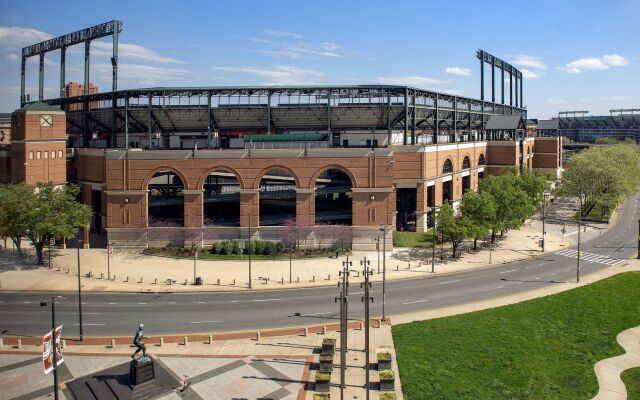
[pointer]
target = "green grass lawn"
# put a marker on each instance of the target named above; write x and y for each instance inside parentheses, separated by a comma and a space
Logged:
(631, 379)
(413, 239)
(539, 349)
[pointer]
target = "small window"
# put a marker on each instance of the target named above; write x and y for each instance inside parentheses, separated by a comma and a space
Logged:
(31, 155)
(38, 155)
(466, 163)
(46, 155)
(60, 155)
(53, 154)
(481, 160)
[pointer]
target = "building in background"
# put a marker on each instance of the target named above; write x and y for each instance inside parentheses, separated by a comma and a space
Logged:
(75, 89)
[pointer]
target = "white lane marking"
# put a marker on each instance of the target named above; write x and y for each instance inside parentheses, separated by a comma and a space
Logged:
(267, 300)
(318, 313)
(83, 303)
(172, 302)
(205, 322)
(520, 283)
(506, 272)
(538, 278)
(142, 304)
(233, 301)
(27, 302)
(554, 274)
(202, 302)
(93, 324)
(111, 304)
(567, 270)
(92, 313)
(414, 302)
(541, 264)
(357, 293)
(444, 283)
(500, 287)
(569, 234)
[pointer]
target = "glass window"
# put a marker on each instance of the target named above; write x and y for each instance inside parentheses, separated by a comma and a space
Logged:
(38, 155)
(53, 154)
(466, 163)
(447, 168)
(46, 154)
(31, 155)
(481, 159)
(60, 155)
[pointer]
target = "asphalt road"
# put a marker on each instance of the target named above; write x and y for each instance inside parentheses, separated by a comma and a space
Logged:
(166, 313)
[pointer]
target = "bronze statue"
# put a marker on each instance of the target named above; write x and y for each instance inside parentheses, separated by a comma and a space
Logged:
(138, 342)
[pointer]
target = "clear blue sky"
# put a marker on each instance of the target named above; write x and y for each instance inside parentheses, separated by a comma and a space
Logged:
(582, 55)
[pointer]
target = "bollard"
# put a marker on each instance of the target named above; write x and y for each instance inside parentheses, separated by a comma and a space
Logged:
(324, 329)
(218, 282)
(298, 281)
(19, 344)
(113, 343)
(282, 281)
(114, 277)
(210, 339)
(185, 282)
(360, 325)
(328, 277)
(234, 282)
(101, 275)
(258, 336)
(313, 279)
(161, 342)
(140, 280)
(63, 343)
(1, 343)
(397, 268)
(186, 340)
(127, 279)
(306, 332)
(155, 282)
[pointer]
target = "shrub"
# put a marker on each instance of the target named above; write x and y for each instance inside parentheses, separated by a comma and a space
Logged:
(249, 247)
(386, 375)
(259, 246)
(280, 247)
(236, 246)
(269, 248)
(227, 247)
(323, 376)
(216, 248)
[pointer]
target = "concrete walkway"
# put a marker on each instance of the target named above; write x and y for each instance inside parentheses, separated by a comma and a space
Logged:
(608, 370)
(134, 272)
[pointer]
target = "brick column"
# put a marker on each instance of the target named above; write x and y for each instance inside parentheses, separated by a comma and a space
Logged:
(249, 205)
(306, 205)
(438, 192)
(193, 208)
(421, 207)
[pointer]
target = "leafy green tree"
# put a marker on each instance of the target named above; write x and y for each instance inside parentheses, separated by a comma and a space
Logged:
(15, 202)
(512, 203)
(52, 212)
(479, 208)
(453, 228)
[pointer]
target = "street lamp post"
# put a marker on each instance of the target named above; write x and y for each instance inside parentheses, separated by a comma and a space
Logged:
(52, 300)
(49, 243)
(579, 229)
(433, 242)
(290, 269)
(377, 239)
(366, 300)
(249, 251)
(544, 202)
(442, 244)
(79, 293)
(639, 239)
(383, 228)
(109, 251)
(195, 257)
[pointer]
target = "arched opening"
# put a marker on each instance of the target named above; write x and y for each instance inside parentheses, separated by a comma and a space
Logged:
(466, 163)
(277, 197)
(481, 164)
(466, 177)
(221, 199)
(166, 200)
(447, 181)
(333, 198)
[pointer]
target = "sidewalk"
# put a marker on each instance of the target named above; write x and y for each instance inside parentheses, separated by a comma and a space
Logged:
(133, 272)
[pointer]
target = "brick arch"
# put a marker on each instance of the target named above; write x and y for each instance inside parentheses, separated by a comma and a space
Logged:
(203, 178)
(312, 182)
(470, 160)
(483, 156)
(453, 166)
(147, 179)
(256, 181)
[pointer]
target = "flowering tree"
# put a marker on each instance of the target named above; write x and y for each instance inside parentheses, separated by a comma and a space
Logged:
(298, 230)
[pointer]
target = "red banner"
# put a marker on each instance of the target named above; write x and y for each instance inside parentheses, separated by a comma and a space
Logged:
(47, 356)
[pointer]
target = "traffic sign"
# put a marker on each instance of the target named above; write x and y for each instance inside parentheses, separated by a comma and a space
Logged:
(52, 241)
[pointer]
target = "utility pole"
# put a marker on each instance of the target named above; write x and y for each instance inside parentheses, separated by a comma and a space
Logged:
(79, 242)
(49, 243)
(639, 239)
(433, 243)
(109, 251)
(52, 300)
(290, 269)
(195, 257)
(344, 322)
(366, 300)
(249, 252)
(579, 229)
(544, 202)
(377, 239)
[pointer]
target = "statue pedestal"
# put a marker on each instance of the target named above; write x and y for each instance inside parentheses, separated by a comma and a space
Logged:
(141, 370)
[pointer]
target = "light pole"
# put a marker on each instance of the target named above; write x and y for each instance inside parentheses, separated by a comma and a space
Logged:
(433, 242)
(377, 239)
(79, 293)
(639, 239)
(49, 243)
(195, 257)
(544, 202)
(579, 229)
(249, 251)
(290, 269)
(442, 244)
(366, 300)
(383, 228)
(52, 300)
(109, 251)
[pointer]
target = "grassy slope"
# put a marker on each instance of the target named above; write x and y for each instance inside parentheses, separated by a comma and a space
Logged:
(631, 379)
(544, 348)
(413, 239)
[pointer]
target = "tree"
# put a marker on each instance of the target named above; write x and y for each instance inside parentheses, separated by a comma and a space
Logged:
(512, 203)
(53, 212)
(454, 228)
(479, 208)
(15, 202)
(297, 230)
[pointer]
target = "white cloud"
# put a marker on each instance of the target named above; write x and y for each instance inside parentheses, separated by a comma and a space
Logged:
(528, 74)
(458, 71)
(306, 49)
(411, 80)
(132, 51)
(594, 63)
(12, 57)
(279, 74)
(524, 60)
(14, 37)
(280, 53)
(556, 101)
(614, 60)
(259, 40)
(140, 74)
(282, 34)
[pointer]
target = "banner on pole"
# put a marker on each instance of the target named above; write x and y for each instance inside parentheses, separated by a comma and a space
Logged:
(110, 249)
(47, 356)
